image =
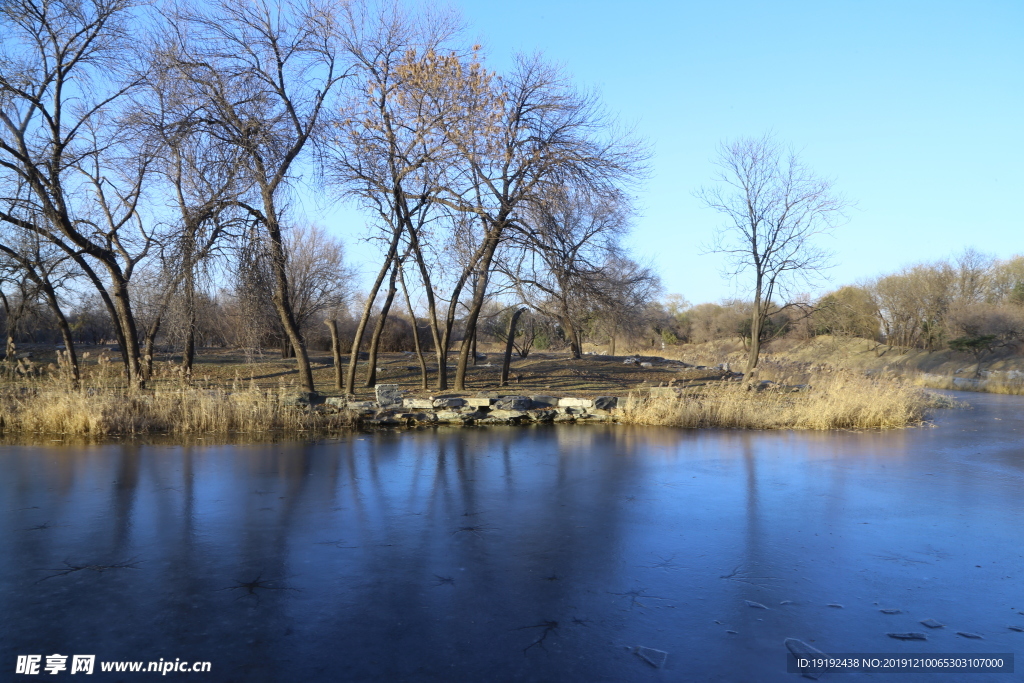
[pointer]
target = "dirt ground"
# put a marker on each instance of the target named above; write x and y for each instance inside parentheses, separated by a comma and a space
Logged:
(541, 373)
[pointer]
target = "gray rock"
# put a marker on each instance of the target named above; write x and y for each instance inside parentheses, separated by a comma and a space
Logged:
(337, 401)
(418, 403)
(606, 402)
(389, 395)
(448, 403)
(544, 401)
(512, 403)
(500, 414)
(543, 415)
(360, 406)
(301, 399)
(479, 402)
(570, 402)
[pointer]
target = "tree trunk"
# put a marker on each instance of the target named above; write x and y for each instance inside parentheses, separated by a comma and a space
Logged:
(65, 331)
(332, 325)
(415, 329)
(378, 329)
(506, 362)
(126, 320)
(147, 354)
(190, 319)
(353, 360)
(756, 321)
(474, 311)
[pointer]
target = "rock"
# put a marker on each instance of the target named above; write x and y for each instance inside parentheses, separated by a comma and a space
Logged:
(386, 420)
(630, 361)
(450, 416)
(388, 395)
(647, 365)
(418, 403)
(655, 658)
(337, 401)
(908, 636)
(564, 417)
(512, 403)
(360, 406)
(931, 623)
(755, 605)
(544, 401)
(967, 634)
(479, 402)
(543, 415)
(500, 414)
(575, 403)
(301, 399)
(448, 403)
(606, 402)
(801, 649)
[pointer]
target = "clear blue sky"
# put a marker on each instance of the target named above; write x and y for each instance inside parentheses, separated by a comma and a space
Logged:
(916, 109)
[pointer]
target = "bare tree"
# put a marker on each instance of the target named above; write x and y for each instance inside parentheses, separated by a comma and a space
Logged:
(775, 206)
(259, 76)
(66, 164)
(392, 142)
(544, 134)
(566, 262)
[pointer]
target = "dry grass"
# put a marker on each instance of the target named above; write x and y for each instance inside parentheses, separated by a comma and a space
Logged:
(832, 401)
(1013, 387)
(52, 410)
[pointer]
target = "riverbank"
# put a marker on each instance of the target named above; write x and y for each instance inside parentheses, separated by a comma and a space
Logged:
(1000, 373)
(695, 398)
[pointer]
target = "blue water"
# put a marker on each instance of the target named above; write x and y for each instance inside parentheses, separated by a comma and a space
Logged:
(518, 554)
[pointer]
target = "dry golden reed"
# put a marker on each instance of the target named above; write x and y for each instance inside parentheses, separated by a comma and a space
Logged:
(174, 411)
(831, 401)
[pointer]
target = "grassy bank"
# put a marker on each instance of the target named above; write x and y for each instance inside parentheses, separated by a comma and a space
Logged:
(838, 400)
(183, 411)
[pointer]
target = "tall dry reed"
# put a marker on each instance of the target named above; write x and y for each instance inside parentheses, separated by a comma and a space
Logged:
(832, 401)
(176, 411)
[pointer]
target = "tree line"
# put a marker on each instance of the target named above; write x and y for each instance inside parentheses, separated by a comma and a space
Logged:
(153, 157)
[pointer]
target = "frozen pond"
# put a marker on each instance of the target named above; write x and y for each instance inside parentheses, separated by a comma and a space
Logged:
(519, 554)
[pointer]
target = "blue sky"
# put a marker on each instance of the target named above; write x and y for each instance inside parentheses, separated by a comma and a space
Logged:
(915, 109)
